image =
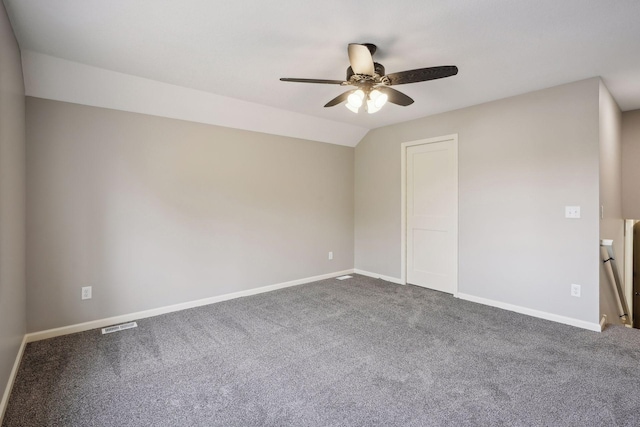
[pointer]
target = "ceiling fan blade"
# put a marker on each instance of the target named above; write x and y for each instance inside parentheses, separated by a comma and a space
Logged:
(395, 97)
(422, 74)
(338, 99)
(360, 59)
(328, 82)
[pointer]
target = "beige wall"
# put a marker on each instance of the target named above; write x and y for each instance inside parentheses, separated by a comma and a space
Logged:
(521, 161)
(153, 211)
(12, 201)
(631, 164)
(612, 223)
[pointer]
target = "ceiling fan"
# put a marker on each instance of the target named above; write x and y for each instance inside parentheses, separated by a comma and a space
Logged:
(372, 84)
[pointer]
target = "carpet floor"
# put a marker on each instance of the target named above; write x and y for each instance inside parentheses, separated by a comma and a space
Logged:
(359, 352)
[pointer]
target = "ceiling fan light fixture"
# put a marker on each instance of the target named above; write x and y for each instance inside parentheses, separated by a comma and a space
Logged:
(354, 101)
(371, 82)
(371, 107)
(378, 98)
(352, 108)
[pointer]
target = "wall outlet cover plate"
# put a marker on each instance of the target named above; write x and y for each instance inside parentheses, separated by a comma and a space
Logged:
(572, 212)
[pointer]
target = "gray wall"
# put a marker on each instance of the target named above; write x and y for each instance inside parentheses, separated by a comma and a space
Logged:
(612, 223)
(12, 201)
(521, 161)
(631, 164)
(153, 211)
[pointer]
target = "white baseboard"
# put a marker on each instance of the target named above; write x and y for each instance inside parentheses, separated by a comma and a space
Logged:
(531, 312)
(379, 276)
(12, 377)
(101, 323)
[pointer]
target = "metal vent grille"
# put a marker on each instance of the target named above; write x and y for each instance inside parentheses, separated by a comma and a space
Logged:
(344, 277)
(117, 328)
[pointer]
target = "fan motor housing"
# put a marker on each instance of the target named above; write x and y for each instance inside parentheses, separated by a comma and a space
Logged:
(377, 67)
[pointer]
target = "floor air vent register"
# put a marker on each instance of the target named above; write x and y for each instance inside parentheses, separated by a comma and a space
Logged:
(118, 328)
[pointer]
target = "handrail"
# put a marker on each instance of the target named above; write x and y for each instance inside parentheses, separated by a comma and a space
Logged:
(611, 259)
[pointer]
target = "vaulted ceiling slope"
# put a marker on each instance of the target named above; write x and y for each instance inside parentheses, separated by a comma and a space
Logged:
(234, 53)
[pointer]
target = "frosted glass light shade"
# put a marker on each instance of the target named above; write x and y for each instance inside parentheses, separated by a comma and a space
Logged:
(352, 108)
(354, 101)
(376, 100)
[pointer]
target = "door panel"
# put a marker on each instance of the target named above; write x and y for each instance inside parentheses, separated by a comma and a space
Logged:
(432, 197)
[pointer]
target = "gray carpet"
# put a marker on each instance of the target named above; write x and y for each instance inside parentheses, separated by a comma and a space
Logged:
(360, 352)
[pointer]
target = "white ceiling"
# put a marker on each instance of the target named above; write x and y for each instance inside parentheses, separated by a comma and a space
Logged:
(240, 49)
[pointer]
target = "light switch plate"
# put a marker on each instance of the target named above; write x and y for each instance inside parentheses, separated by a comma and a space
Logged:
(572, 212)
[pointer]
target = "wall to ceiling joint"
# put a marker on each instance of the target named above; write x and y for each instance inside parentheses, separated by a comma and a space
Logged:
(61, 80)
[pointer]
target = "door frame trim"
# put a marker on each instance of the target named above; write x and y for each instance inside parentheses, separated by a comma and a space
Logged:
(403, 202)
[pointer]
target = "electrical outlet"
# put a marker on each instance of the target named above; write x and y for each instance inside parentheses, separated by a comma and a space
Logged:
(575, 290)
(330, 255)
(86, 292)
(572, 212)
